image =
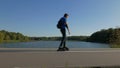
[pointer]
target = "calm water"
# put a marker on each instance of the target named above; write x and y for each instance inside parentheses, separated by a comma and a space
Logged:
(53, 44)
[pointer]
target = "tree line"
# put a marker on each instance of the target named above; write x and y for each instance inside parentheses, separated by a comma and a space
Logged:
(76, 38)
(8, 36)
(110, 36)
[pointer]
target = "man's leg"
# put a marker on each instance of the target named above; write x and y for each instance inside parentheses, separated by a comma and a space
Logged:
(64, 35)
(64, 43)
(63, 38)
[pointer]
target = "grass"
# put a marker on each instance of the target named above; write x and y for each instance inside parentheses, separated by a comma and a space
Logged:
(114, 46)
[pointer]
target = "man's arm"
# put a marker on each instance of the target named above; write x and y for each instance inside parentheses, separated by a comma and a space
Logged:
(68, 28)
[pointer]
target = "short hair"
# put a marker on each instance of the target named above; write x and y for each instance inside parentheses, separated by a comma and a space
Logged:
(66, 15)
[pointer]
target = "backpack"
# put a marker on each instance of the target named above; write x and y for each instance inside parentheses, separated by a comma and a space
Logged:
(59, 24)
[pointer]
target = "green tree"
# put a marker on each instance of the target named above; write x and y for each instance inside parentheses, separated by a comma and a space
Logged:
(6, 36)
(111, 36)
(1, 37)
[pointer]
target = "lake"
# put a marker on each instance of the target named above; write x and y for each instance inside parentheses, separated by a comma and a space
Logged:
(53, 44)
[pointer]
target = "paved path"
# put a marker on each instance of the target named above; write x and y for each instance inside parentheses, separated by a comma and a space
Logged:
(50, 58)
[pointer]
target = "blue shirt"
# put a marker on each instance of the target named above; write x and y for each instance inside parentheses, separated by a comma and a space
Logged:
(63, 21)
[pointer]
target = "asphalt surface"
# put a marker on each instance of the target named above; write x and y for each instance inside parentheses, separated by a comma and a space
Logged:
(50, 58)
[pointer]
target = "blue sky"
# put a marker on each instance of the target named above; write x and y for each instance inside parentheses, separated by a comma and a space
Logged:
(39, 17)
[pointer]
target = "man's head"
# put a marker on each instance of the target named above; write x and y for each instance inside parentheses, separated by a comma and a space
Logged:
(66, 15)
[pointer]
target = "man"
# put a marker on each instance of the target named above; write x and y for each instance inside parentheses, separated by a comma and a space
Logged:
(64, 25)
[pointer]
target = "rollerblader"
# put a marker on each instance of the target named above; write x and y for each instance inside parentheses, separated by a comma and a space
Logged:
(62, 25)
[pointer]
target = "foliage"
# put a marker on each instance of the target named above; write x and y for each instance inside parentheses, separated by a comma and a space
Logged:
(111, 36)
(7, 36)
(76, 38)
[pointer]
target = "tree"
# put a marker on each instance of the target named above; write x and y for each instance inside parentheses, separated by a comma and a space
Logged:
(1, 37)
(111, 36)
(5, 35)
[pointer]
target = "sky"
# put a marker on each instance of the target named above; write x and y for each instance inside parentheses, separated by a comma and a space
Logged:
(39, 17)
